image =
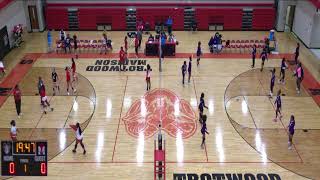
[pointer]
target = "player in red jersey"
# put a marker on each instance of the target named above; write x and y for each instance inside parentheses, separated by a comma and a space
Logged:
(122, 55)
(73, 68)
(44, 99)
(126, 43)
(68, 79)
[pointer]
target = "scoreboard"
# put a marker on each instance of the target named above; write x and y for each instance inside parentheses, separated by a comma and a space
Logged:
(24, 158)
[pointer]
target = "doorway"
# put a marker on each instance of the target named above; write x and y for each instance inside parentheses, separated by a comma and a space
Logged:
(33, 16)
(289, 18)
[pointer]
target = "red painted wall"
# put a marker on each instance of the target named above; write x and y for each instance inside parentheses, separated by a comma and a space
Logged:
(231, 18)
(89, 18)
(263, 19)
(57, 18)
(162, 14)
(316, 3)
(5, 3)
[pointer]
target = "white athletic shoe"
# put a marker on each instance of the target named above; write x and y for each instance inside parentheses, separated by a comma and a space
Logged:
(68, 93)
(19, 116)
(298, 92)
(290, 147)
(75, 90)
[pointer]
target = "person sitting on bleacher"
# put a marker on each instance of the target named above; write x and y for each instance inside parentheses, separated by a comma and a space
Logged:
(2, 70)
(215, 42)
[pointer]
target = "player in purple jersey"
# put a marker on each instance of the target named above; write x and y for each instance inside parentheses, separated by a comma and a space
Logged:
(199, 53)
(263, 56)
(291, 125)
(189, 69)
(277, 103)
(283, 68)
(184, 70)
(204, 130)
(273, 78)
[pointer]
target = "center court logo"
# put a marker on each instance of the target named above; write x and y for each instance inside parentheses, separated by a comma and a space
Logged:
(178, 117)
(113, 65)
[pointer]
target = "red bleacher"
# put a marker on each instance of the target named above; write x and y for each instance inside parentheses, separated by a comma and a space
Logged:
(263, 19)
(229, 15)
(231, 18)
(90, 17)
(57, 18)
(161, 14)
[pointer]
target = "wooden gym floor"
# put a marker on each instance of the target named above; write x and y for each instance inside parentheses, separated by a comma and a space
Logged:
(119, 116)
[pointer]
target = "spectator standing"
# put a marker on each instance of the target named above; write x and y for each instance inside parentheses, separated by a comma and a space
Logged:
(296, 54)
(17, 99)
(184, 70)
(139, 34)
(169, 24)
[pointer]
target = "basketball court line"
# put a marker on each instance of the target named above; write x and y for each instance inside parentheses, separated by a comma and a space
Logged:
(74, 101)
(177, 55)
(115, 141)
(254, 122)
(17, 74)
(282, 123)
(173, 162)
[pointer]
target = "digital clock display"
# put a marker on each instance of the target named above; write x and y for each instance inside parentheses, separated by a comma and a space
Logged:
(24, 147)
(24, 158)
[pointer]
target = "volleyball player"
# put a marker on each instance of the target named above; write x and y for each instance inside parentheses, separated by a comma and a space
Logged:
(75, 45)
(189, 69)
(184, 70)
(126, 43)
(283, 68)
(74, 74)
(104, 44)
(121, 59)
(199, 52)
(148, 77)
(200, 107)
(79, 138)
(299, 75)
(44, 99)
(17, 100)
(277, 103)
(204, 130)
(291, 125)
(273, 78)
(40, 83)
(263, 56)
(254, 53)
(69, 84)
(55, 78)
(13, 130)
